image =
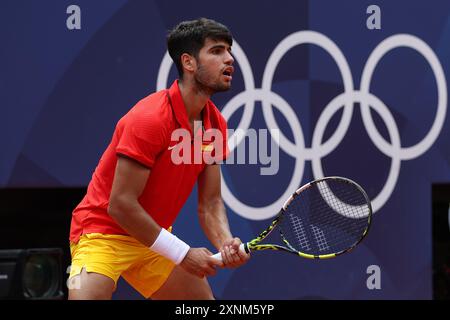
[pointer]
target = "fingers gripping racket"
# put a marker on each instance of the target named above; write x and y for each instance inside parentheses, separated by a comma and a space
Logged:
(323, 219)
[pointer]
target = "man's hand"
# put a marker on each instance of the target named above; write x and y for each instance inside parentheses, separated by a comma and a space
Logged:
(231, 255)
(199, 262)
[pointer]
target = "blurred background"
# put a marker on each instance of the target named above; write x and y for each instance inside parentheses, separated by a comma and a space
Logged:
(69, 70)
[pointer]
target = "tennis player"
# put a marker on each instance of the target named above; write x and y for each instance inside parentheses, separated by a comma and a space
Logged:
(122, 227)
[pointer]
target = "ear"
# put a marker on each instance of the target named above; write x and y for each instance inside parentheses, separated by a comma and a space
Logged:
(188, 62)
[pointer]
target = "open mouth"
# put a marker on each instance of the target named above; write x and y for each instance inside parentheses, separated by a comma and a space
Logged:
(228, 72)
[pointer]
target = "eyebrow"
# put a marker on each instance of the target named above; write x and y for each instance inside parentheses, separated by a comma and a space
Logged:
(221, 46)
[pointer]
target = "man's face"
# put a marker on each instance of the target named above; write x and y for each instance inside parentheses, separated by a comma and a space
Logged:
(214, 66)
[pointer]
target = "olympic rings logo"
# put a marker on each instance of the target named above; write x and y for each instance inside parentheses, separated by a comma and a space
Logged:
(346, 100)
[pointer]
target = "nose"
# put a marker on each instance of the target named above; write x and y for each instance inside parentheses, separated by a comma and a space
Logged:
(229, 58)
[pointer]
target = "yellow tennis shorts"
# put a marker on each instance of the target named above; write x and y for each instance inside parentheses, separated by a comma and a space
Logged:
(119, 255)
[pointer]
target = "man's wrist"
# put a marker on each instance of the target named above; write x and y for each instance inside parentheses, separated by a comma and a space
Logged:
(170, 246)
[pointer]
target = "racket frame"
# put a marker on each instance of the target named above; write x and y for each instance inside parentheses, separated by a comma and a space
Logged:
(254, 245)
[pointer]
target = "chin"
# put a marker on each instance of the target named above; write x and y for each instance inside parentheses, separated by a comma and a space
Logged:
(221, 88)
(226, 86)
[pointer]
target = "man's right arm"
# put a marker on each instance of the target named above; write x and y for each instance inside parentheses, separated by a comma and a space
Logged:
(130, 179)
(129, 182)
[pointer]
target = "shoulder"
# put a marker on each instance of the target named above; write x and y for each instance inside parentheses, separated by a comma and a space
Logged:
(151, 115)
(153, 107)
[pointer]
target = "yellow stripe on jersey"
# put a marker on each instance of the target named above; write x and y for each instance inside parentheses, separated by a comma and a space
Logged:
(207, 147)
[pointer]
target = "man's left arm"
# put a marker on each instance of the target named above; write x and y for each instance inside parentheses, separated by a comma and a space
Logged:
(213, 217)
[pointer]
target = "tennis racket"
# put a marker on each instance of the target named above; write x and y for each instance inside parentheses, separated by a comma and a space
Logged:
(323, 219)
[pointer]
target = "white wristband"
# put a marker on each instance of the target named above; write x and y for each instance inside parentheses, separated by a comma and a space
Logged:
(169, 246)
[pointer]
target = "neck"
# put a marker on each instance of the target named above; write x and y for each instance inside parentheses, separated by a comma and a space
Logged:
(194, 99)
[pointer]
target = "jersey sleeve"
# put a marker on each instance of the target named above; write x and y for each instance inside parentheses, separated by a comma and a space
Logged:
(142, 140)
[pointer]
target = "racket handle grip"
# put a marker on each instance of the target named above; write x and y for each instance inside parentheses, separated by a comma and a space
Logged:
(242, 248)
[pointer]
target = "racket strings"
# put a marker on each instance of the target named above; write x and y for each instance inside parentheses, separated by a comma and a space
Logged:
(327, 217)
(345, 220)
(342, 230)
(324, 242)
(299, 231)
(344, 211)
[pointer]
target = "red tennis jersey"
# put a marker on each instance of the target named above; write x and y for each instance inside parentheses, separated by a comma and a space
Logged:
(144, 134)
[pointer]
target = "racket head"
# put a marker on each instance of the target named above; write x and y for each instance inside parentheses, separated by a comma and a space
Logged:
(325, 218)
